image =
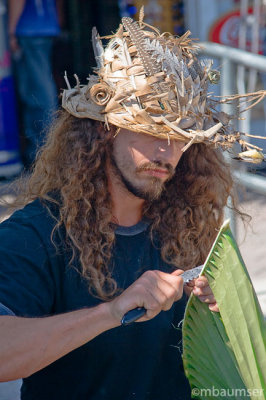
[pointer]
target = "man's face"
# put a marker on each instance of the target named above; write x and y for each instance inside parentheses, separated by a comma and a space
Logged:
(143, 163)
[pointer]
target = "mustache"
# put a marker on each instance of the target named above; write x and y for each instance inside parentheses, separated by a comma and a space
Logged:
(155, 165)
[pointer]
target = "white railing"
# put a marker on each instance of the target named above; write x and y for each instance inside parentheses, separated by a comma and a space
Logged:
(227, 57)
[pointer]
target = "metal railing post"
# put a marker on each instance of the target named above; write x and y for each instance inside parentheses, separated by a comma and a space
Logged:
(226, 87)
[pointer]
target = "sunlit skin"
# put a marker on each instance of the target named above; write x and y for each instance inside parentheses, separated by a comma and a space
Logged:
(144, 163)
(137, 171)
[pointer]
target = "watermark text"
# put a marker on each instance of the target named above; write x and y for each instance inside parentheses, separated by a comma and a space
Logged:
(215, 392)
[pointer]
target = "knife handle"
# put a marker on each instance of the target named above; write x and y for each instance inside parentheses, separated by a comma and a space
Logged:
(133, 315)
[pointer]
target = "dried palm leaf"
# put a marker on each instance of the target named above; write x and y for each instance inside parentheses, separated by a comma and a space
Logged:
(142, 69)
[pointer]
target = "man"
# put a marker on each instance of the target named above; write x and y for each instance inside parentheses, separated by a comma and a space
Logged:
(32, 26)
(113, 215)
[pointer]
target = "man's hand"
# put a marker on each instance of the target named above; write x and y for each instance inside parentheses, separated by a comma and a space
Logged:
(13, 44)
(154, 290)
(201, 288)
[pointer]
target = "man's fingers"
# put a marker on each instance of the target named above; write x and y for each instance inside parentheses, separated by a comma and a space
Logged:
(171, 287)
(161, 298)
(191, 283)
(207, 299)
(154, 290)
(202, 291)
(202, 287)
(173, 283)
(163, 290)
(214, 307)
(201, 281)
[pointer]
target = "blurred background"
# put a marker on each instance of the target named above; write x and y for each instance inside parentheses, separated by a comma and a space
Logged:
(41, 39)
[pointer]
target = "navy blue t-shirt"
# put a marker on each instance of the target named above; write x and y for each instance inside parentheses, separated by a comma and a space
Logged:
(141, 361)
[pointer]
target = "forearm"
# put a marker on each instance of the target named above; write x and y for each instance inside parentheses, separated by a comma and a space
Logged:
(15, 9)
(30, 344)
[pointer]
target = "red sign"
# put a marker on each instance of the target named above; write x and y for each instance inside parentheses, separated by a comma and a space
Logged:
(225, 30)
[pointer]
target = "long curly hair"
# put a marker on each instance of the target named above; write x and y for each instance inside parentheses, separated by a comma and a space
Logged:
(186, 217)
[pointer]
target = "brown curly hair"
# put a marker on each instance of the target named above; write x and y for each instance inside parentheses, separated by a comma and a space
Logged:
(186, 217)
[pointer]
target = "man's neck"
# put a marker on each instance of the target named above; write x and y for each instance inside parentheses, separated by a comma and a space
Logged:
(127, 210)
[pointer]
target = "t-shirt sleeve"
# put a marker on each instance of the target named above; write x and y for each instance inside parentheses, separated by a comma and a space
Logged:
(5, 311)
(26, 281)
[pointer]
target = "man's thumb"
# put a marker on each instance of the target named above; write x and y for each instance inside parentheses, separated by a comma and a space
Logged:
(177, 272)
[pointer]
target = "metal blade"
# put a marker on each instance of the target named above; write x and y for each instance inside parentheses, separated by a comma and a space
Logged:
(191, 273)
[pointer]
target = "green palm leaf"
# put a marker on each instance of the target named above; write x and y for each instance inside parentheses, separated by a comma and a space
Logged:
(226, 352)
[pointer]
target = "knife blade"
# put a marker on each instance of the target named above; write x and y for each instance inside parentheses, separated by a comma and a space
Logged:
(132, 315)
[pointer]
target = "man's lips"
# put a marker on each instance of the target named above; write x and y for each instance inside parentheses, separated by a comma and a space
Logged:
(160, 173)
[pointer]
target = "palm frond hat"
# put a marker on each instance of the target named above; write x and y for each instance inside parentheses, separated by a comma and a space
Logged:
(155, 84)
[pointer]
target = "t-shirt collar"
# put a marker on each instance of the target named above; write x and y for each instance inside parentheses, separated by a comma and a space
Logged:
(141, 226)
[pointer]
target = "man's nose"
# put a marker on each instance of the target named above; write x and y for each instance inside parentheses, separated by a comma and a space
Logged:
(166, 151)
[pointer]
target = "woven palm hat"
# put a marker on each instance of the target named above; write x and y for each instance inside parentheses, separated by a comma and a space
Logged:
(154, 84)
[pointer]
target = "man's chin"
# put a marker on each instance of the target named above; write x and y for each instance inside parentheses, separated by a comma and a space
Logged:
(149, 194)
(148, 188)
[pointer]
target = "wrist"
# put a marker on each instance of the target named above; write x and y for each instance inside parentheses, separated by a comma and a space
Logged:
(12, 38)
(107, 315)
(12, 34)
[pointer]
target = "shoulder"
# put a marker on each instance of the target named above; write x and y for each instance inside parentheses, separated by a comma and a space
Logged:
(30, 264)
(37, 218)
(37, 210)
(38, 207)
